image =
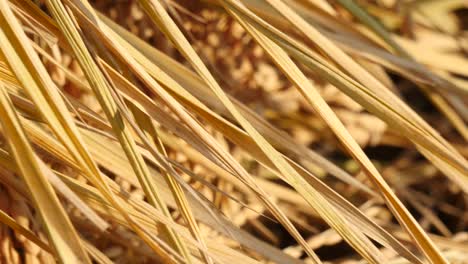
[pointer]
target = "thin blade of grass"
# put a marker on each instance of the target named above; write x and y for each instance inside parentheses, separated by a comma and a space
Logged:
(402, 118)
(101, 87)
(187, 80)
(436, 98)
(13, 224)
(63, 237)
(36, 81)
(158, 14)
(288, 67)
(177, 191)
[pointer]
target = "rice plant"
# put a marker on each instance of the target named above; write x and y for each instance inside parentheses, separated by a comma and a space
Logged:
(233, 131)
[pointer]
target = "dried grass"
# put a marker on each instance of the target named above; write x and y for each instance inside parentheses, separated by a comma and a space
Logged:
(233, 131)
